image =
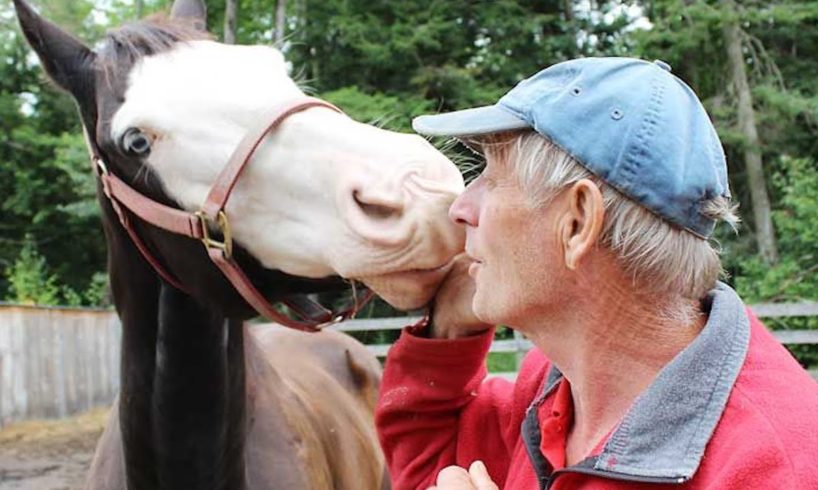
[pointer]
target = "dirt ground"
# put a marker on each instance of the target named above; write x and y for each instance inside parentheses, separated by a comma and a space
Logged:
(49, 455)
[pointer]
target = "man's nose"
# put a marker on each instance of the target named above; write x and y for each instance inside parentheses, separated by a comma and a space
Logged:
(463, 210)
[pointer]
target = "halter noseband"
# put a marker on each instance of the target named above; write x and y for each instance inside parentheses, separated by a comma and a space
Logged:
(212, 216)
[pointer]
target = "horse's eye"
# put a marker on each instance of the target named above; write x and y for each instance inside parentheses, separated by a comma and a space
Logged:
(136, 143)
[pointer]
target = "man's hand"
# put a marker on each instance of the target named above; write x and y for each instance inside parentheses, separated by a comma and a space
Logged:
(452, 314)
(457, 478)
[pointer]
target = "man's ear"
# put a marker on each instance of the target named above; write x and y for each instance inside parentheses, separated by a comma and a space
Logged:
(581, 225)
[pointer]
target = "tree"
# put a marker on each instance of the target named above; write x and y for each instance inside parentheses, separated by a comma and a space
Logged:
(281, 21)
(386, 62)
(41, 151)
(29, 280)
(230, 19)
(765, 234)
(748, 66)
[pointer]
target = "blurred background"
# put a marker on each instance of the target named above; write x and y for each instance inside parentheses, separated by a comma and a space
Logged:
(753, 63)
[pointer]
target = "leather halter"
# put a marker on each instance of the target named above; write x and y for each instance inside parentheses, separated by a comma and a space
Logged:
(212, 216)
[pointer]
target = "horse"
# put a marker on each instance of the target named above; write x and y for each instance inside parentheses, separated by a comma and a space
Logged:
(206, 401)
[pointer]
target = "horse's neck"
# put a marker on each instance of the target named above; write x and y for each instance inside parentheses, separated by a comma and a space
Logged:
(182, 401)
(198, 396)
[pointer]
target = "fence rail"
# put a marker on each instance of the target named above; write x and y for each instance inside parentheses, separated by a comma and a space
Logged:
(519, 345)
(56, 362)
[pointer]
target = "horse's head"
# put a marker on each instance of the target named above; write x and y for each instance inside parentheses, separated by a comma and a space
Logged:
(324, 195)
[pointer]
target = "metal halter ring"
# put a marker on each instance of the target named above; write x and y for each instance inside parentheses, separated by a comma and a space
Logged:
(101, 166)
(223, 225)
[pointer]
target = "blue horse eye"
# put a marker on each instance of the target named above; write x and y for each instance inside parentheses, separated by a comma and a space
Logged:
(136, 143)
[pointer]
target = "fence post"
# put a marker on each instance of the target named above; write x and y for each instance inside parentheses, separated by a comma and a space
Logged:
(2, 423)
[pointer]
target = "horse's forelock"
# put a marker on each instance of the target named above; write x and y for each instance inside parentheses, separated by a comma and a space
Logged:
(125, 45)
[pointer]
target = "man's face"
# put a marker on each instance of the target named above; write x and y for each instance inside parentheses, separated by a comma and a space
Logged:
(518, 260)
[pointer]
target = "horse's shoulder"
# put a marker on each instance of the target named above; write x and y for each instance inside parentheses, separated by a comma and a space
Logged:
(334, 353)
(325, 384)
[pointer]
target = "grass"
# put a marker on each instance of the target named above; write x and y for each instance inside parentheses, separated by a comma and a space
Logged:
(502, 362)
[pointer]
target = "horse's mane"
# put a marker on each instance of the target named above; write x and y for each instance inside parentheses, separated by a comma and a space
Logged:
(123, 46)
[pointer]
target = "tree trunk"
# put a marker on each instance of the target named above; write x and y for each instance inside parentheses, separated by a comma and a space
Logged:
(281, 21)
(571, 26)
(568, 9)
(230, 16)
(765, 233)
(139, 7)
(301, 14)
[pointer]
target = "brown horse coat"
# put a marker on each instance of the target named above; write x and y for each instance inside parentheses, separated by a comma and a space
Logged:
(310, 402)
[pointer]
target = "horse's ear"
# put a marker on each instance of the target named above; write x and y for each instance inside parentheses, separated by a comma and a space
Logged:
(192, 10)
(65, 58)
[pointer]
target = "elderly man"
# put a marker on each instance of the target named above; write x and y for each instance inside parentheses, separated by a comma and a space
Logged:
(588, 232)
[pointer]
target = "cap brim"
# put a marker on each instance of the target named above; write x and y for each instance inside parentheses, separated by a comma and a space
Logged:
(469, 122)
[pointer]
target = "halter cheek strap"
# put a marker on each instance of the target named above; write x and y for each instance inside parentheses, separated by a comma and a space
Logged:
(212, 216)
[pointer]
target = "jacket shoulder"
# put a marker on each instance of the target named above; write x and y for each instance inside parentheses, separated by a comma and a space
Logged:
(771, 418)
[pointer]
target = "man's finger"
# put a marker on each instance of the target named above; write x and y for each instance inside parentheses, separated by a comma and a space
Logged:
(480, 477)
(454, 478)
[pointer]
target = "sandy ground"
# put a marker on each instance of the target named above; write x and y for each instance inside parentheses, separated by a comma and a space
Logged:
(49, 455)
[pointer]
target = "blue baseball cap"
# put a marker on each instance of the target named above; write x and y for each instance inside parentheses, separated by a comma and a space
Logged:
(630, 122)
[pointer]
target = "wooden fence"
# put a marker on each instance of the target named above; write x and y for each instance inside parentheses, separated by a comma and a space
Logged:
(519, 345)
(56, 362)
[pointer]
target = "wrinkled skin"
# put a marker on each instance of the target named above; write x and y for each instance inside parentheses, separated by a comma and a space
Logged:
(203, 404)
(325, 195)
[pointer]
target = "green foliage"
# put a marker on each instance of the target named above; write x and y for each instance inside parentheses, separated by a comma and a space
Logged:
(98, 292)
(382, 110)
(29, 280)
(455, 53)
(32, 283)
(780, 42)
(502, 362)
(795, 276)
(46, 190)
(386, 62)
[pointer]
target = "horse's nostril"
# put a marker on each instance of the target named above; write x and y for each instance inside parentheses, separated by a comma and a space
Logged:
(378, 209)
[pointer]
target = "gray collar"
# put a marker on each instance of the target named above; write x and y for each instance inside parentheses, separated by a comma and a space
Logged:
(664, 433)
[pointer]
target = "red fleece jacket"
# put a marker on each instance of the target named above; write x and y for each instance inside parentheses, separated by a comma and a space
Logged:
(437, 409)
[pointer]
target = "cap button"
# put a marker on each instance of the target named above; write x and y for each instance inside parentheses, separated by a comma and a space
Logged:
(661, 64)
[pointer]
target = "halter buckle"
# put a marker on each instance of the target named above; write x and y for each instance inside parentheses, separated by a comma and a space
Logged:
(223, 225)
(330, 323)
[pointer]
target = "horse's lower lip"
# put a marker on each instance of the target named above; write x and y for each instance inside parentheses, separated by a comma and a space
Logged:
(422, 272)
(409, 273)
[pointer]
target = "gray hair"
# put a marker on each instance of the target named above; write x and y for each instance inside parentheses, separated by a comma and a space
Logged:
(661, 258)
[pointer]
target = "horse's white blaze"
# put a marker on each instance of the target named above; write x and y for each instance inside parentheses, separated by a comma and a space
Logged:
(324, 195)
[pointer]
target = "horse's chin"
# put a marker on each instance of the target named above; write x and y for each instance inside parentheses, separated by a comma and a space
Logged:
(409, 289)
